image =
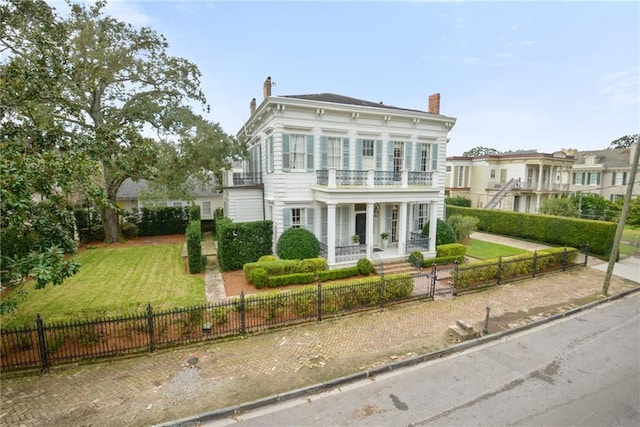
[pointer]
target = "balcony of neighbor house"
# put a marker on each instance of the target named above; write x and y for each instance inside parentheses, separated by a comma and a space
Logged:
(532, 185)
(232, 178)
(341, 179)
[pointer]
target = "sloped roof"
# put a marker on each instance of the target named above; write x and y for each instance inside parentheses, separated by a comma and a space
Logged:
(131, 189)
(618, 157)
(340, 99)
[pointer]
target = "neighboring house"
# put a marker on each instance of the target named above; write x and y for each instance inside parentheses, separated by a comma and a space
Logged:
(208, 198)
(518, 181)
(340, 167)
(604, 172)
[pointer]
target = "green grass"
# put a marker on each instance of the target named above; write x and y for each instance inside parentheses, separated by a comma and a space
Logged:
(114, 281)
(487, 250)
(630, 237)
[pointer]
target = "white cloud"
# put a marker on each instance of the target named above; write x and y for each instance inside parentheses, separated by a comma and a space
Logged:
(129, 12)
(622, 88)
(504, 55)
(513, 27)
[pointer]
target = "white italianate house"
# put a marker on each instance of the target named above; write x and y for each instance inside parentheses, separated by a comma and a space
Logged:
(343, 167)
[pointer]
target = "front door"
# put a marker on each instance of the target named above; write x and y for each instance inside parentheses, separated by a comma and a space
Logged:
(361, 227)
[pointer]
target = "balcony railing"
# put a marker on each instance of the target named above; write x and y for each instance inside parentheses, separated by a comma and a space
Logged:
(334, 178)
(417, 242)
(231, 178)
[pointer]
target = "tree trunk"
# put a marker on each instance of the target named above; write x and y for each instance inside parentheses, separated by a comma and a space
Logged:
(110, 222)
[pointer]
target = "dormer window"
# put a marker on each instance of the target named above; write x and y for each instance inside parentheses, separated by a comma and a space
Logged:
(590, 160)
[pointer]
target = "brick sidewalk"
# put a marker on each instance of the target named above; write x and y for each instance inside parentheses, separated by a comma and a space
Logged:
(164, 386)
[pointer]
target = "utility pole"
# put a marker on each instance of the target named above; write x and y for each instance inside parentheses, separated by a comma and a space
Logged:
(623, 218)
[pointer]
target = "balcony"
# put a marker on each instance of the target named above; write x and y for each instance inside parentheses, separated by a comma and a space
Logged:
(334, 178)
(240, 179)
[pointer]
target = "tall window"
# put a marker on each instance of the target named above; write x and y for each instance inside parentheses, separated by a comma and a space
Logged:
(619, 178)
(493, 173)
(578, 178)
(594, 178)
(398, 156)
(367, 154)
(423, 215)
(334, 152)
(206, 208)
(297, 151)
(177, 204)
(425, 157)
(296, 218)
(460, 180)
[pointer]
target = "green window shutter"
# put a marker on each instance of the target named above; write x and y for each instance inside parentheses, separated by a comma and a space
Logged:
(613, 178)
(345, 154)
(286, 219)
(434, 157)
(416, 211)
(344, 226)
(285, 152)
(624, 177)
(324, 141)
(408, 147)
(388, 219)
(418, 157)
(309, 212)
(378, 148)
(359, 154)
(598, 178)
(310, 165)
(270, 165)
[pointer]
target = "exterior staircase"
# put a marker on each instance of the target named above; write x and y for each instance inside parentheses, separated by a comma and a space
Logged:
(497, 198)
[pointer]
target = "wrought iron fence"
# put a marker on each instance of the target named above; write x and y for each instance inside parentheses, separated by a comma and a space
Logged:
(45, 345)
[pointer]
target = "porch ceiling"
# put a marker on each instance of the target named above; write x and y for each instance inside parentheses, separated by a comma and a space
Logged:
(376, 195)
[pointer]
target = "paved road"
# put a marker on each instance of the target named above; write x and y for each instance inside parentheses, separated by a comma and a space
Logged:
(584, 371)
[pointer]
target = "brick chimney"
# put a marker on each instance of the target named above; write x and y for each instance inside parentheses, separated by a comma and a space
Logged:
(267, 87)
(434, 103)
(252, 106)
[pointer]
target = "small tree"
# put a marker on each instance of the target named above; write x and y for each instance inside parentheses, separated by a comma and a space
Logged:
(444, 233)
(559, 207)
(463, 225)
(458, 201)
(298, 243)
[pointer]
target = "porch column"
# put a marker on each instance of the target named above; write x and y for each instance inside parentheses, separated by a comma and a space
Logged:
(539, 187)
(402, 228)
(331, 234)
(369, 231)
(537, 203)
(433, 226)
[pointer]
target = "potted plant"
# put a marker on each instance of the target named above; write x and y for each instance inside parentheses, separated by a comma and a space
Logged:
(384, 236)
(355, 239)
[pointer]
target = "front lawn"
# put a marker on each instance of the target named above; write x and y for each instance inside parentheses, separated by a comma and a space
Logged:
(114, 281)
(486, 250)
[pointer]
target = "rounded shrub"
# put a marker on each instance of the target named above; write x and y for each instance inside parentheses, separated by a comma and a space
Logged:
(444, 233)
(298, 243)
(267, 258)
(364, 266)
(129, 230)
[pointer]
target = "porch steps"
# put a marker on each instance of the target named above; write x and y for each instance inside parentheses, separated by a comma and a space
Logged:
(398, 267)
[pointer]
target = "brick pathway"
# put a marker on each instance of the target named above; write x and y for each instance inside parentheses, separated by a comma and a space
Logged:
(164, 386)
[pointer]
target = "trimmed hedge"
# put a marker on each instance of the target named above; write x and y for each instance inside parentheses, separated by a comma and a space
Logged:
(555, 230)
(364, 266)
(242, 243)
(298, 243)
(290, 279)
(416, 258)
(511, 267)
(194, 247)
(340, 273)
(281, 267)
(451, 250)
(442, 260)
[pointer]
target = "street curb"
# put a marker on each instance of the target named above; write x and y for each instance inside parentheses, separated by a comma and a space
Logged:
(332, 384)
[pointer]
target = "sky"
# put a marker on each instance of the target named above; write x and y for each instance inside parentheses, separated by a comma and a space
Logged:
(536, 75)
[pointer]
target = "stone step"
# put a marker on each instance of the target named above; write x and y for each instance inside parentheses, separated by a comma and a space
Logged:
(464, 325)
(461, 331)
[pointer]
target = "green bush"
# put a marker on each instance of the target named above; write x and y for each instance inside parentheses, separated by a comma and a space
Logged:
(194, 213)
(159, 221)
(458, 201)
(241, 243)
(442, 260)
(290, 279)
(340, 273)
(281, 267)
(444, 233)
(220, 315)
(416, 258)
(259, 278)
(298, 243)
(129, 230)
(194, 247)
(364, 266)
(560, 231)
(451, 249)
(463, 225)
(267, 258)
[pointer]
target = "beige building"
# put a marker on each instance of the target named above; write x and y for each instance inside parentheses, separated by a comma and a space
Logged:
(604, 172)
(518, 181)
